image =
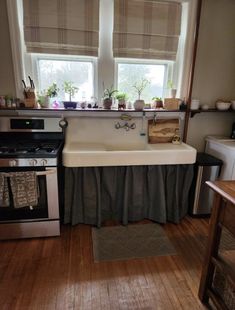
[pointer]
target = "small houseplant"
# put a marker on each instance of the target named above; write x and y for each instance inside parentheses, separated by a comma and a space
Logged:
(52, 90)
(139, 87)
(71, 90)
(108, 97)
(121, 97)
(158, 102)
(43, 99)
(44, 96)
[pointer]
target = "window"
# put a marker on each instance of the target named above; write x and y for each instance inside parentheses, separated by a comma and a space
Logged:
(100, 70)
(55, 69)
(129, 72)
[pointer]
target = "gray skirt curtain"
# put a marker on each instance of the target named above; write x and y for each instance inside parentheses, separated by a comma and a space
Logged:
(130, 193)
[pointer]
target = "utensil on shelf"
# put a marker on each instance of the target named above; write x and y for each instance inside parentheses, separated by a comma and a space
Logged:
(24, 84)
(25, 93)
(31, 82)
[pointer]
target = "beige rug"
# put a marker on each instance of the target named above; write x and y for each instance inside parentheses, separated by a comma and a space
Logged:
(132, 241)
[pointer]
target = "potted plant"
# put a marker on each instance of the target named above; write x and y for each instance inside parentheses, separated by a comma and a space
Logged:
(108, 97)
(52, 90)
(45, 95)
(121, 97)
(139, 87)
(158, 102)
(43, 99)
(172, 88)
(71, 90)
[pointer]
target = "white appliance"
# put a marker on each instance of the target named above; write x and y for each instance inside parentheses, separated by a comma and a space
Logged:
(224, 149)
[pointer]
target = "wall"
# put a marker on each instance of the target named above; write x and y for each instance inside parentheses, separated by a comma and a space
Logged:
(214, 70)
(7, 84)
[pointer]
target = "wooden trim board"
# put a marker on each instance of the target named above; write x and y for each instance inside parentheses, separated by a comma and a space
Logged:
(163, 130)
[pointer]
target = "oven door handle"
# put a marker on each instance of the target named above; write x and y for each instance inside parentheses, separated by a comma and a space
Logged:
(38, 173)
(46, 172)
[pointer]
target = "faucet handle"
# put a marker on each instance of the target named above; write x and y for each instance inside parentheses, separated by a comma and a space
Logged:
(117, 126)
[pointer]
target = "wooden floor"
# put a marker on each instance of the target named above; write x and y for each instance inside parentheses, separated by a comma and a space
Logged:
(59, 273)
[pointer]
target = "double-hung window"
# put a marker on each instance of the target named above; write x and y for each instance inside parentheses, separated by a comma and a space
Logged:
(157, 73)
(105, 42)
(145, 44)
(54, 68)
(61, 41)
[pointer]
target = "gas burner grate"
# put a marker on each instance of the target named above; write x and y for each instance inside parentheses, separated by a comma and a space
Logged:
(29, 147)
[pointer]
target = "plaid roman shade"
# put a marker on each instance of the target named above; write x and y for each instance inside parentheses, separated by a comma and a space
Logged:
(62, 26)
(146, 29)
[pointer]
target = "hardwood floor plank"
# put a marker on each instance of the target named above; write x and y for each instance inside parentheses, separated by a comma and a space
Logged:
(59, 273)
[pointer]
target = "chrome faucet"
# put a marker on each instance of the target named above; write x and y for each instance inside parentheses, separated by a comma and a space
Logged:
(154, 118)
(126, 126)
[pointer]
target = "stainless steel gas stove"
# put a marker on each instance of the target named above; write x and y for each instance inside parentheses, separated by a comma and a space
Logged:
(30, 145)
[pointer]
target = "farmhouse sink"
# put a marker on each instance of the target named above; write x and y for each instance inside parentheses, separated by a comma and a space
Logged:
(94, 154)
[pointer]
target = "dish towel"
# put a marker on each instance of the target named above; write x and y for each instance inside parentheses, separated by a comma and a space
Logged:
(4, 191)
(24, 187)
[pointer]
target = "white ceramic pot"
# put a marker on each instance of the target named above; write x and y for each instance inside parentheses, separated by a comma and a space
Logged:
(139, 105)
(173, 92)
(195, 104)
(233, 104)
(44, 101)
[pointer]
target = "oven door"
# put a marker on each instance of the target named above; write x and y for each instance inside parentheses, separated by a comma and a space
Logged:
(47, 208)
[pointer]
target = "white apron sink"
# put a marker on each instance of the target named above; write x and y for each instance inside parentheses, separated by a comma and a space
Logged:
(92, 154)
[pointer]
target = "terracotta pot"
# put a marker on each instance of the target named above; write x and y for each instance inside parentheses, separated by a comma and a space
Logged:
(159, 103)
(139, 105)
(107, 103)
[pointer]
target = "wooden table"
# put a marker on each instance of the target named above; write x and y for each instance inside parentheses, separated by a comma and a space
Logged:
(222, 216)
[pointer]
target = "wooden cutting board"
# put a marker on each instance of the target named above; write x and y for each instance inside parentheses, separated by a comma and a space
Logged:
(163, 130)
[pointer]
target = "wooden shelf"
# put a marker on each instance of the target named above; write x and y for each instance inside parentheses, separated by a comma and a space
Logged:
(193, 112)
(226, 266)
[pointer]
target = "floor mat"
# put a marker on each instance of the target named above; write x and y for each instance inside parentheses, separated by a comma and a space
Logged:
(132, 241)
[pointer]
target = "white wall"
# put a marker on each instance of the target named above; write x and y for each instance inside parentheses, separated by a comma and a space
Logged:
(214, 70)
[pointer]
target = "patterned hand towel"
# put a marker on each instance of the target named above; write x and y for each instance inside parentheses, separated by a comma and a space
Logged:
(24, 188)
(4, 192)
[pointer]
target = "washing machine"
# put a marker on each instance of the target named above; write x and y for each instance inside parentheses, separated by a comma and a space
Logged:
(224, 149)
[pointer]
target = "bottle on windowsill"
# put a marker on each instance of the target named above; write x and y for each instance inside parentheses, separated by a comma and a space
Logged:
(183, 105)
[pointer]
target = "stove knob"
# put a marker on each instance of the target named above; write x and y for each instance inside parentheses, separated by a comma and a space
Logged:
(33, 162)
(43, 162)
(12, 163)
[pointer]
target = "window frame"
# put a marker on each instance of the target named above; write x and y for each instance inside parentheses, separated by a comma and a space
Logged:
(169, 65)
(35, 66)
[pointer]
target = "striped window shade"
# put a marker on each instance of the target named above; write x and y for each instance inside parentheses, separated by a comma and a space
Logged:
(146, 29)
(62, 26)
